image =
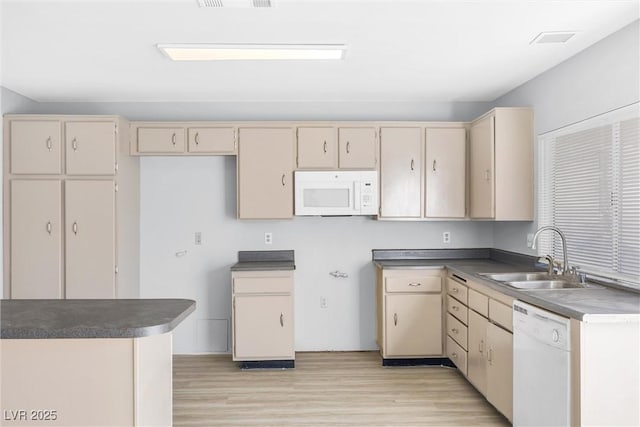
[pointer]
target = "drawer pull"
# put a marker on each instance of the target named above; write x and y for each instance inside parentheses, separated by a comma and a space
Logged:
(74, 144)
(412, 164)
(490, 357)
(74, 228)
(455, 308)
(454, 355)
(324, 147)
(49, 144)
(282, 320)
(454, 330)
(481, 347)
(348, 147)
(395, 319)
(173, 138)
(415, 284)
(197, 138)
(49, 227)
(455, 290)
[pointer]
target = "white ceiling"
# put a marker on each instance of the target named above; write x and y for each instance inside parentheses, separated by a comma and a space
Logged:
(435, 50)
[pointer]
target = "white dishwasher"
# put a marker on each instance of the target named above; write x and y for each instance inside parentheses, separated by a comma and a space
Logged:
(541, 356)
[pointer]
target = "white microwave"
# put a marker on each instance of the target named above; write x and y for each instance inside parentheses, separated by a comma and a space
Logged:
(334, 193)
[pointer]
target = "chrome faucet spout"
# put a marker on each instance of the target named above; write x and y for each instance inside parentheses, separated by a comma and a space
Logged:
(565, 261)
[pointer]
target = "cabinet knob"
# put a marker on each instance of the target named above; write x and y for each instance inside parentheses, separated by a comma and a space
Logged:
(173, 138)
(74, 144)
(282, 320)
(455, 308)
(283, 182)
(348, 147)
(49, 227)
(324, 147)
(74, 227)
(434, 165)
(455, 331)
(412, 162)
(395, 319)
(49, 144)
(454, 355)
(415, 284)
(490, 357)
(455, 290)
(481, 347)
(197, 138)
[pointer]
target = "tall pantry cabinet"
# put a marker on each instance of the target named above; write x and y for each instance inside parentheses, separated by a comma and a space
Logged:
(71, 208)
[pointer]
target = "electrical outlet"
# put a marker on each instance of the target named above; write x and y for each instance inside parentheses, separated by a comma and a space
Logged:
(323, 302)
(268, 238)
(446, 237)
(198, 237)
(529, 240)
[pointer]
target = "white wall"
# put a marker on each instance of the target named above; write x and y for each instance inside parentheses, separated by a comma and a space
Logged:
(183, 195)
(601, 78)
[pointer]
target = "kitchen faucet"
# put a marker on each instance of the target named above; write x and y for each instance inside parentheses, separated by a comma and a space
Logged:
(565, 261)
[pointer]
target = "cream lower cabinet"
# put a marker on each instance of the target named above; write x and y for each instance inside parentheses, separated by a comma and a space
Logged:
(265, 173)
(410, 313)
(263, 316)
(73, 233)
(487, 358)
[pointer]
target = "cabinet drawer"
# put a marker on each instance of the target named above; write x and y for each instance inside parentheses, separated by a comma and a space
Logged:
(457, 355)
(212, 140)
(457, 330)
(501, 314)
(161, 140)
(457, 290)
(262, 285)
(414, 284)
(478, 303)
(456, 308)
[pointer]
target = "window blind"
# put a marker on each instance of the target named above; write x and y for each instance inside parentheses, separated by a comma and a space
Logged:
(588, 185)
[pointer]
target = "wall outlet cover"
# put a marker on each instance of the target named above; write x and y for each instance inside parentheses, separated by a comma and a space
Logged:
(446, 237)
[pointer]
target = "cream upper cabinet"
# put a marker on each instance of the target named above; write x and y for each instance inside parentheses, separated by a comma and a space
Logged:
(90, 148)
(445, 176)
(35, 147)
(263, 315)
(90, 239)
(357, 148)
(501, 165)
(36, 239)
(317, 148)
(265, 173)
(160, 140)
(212, 140)
(400, 172)
(500, 369)
(409, 313)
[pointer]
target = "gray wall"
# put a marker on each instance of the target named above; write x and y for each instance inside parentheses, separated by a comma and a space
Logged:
(601, 78)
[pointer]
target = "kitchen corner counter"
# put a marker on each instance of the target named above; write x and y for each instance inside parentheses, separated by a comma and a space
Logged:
(132, 318)
(590, 304)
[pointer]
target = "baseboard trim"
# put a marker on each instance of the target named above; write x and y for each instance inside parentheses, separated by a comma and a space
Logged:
(268, 364)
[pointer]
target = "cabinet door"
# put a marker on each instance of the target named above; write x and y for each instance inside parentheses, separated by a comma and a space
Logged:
(36, 239)
(91, 148)
(477, 358)
(214, 140)
(161, 140)
(481, 169)
(500, 369)
(90, 239)
(263, 327)
(400, 172)
(265, 173)
(35, 147)
(413, 325)
(316, 148)
(356, 148)
(445, 173)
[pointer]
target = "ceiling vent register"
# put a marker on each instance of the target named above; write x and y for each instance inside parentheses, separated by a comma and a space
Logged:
(235, 3)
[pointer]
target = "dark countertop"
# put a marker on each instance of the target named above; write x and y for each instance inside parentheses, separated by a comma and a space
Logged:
(588, 304)
(264, 260)
(93, 318)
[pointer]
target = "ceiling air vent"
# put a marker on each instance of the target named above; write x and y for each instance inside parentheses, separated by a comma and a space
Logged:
(553, 37)
(235, 3)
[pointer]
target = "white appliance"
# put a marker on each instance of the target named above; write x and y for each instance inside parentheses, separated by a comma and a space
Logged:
(541, 374)
(330, 193)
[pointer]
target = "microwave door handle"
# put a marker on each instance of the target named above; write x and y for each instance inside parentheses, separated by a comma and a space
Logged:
(356, 197)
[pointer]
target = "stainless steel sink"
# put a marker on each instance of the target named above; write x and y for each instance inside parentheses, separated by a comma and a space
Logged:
(544, 284)
(518, 277)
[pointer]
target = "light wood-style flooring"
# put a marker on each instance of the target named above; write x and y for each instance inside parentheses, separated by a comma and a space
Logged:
(325, 389)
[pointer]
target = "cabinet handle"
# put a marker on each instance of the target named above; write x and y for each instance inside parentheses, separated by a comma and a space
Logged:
(481, 347)
(395, 319)
(455, 308)
(283, 182)
(412, 164)
(454, 330)
(487, 175)
(74, 227)
(49, 227)
(490, 357)
(324, 147)
(348, 147)
(197, 138)
(173, 138)
(282, 320)
(454, 355)
(434, 165)
(455, 290)
(415, 284)
(49, 144)
(74, 144)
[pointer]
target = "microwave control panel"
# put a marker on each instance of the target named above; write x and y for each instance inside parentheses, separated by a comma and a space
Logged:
(368, 194)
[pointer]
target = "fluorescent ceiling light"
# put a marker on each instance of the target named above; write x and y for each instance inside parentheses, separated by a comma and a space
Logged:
(251, 52)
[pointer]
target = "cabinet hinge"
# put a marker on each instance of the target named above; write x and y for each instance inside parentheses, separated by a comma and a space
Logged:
(380, 210)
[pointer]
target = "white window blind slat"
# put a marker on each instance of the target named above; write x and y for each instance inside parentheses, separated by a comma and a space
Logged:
(588, 185)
